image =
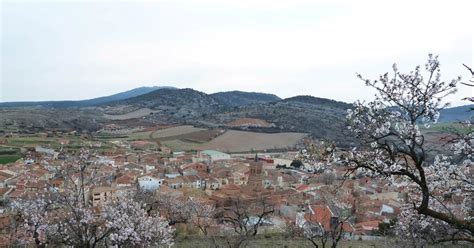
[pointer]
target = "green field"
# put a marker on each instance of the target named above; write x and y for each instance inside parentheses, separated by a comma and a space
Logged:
(9, 155)
(448, 128)
(32, 141)
(5, 159)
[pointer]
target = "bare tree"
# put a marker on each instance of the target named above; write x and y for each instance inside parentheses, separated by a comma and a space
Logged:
(471, 84)
(245, 218)
(472, 76)
(316, 233)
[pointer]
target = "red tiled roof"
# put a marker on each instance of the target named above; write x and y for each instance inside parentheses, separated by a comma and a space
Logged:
(302, 187)
(125, 179)
(322, 215)
(368, 225)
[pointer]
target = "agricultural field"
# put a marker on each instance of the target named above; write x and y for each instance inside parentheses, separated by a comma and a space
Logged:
(179, 138)
(447, 128)
(31, 140)
(70, 143)
(241, 141)
(131, 115)
(179, 145)
(175, 131)
(196, 137)
(187, 138)
(140, 135)
(49, 142)
(5, 159)
(9, 155)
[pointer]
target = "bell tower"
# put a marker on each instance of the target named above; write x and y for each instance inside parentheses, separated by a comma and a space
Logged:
(256, 173)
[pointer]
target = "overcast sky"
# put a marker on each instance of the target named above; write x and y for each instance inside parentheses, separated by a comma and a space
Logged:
(64, 50)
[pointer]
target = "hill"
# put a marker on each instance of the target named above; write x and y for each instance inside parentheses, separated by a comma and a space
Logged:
(173, 105)
(148, 106)
(322, 118)
(456, 114)
(240, 98)
(84, 103)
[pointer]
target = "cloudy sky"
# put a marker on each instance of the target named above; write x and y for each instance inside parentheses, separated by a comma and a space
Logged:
(76, 50)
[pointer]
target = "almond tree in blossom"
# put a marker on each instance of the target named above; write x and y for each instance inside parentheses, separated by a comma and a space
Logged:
(202, 214)
(34, 221)
(318, 156)
(130, 225)
(439, 186)
(67, 217)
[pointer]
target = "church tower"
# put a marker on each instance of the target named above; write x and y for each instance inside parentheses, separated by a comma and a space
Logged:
(255, 180)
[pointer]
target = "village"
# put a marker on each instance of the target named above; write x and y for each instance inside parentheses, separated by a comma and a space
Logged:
(297, 194)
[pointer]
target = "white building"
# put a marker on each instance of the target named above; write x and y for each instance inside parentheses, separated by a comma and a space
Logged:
(149, 183)
(211, 156)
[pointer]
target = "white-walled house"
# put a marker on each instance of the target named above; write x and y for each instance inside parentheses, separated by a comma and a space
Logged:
(149, 182)
(387, 209)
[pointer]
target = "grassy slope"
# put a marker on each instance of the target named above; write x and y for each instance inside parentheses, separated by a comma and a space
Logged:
(281, 240)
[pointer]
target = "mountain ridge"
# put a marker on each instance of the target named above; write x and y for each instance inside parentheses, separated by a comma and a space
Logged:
(322, 118)
(86, 102)
(240, 98)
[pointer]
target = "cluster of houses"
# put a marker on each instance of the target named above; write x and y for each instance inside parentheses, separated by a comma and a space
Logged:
(297, 196)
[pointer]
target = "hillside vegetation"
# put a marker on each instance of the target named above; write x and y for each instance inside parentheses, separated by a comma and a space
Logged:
(148, 106)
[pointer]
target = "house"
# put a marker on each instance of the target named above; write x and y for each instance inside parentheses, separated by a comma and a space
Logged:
(240, 177)
(386, 209)
(213, 184)
(175, 183)
(222, 174)
(170, 173)
(240, 173)
(149, 168)
(367, 227)
(149, 182)
(100, 195)
(189, 172)
(326, 219)
(195, 166)
(194, 182)
(36, 186)
(125, 181)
